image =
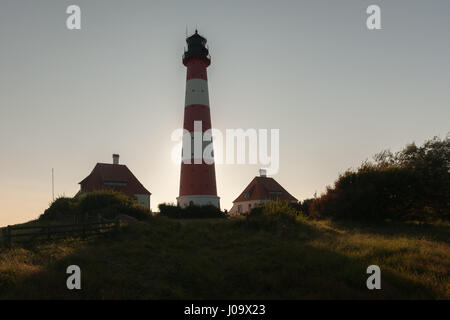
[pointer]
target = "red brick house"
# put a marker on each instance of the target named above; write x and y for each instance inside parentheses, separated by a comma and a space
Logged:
(116, 177)
(261, 189)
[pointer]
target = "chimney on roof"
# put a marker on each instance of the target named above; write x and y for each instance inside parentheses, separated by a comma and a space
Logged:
(115, 158)
(262, 173)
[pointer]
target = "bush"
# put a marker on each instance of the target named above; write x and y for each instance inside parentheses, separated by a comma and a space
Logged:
(303, 206)
(170, 210)
(61, 208)
(109, 204)
(98, 204)
(274, 215)
(190, 212)
(413, 184)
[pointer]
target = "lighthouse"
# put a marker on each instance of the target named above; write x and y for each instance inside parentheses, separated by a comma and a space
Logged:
(197, 176)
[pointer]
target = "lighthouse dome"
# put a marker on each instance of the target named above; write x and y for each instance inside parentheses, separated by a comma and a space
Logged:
(196, 47)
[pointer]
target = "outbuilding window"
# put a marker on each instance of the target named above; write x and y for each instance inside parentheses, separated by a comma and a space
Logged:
(115, 183)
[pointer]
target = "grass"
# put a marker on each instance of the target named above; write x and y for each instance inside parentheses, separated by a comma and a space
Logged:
(233, 259)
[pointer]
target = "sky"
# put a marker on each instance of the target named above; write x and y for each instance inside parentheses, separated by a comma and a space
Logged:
(338, 92)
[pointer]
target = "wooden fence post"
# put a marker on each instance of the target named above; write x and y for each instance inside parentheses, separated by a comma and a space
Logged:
(117, 225)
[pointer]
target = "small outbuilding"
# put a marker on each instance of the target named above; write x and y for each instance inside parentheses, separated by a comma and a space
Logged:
(116, 177)
(261, 189)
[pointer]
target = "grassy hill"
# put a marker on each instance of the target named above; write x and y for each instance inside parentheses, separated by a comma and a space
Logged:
(237, 259)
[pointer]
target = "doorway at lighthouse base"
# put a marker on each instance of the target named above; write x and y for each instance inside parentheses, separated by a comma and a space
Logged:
(199, 200)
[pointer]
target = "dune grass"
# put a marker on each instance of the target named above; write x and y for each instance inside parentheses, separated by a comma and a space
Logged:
(235, 259)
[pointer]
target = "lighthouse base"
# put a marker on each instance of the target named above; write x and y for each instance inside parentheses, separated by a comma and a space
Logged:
(198, 200)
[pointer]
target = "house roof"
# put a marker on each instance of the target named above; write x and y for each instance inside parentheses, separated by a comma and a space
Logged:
(115, 177)
(264, 188)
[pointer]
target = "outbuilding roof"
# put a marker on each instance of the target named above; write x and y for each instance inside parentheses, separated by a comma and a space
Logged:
(115, 177)
(264, 188)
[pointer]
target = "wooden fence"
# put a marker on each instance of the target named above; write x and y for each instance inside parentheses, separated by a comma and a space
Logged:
(23, 234)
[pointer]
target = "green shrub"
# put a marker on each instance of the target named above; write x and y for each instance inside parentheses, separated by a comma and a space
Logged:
(170, 210)
(109, 204)
(190, 212)
(272, 216)
(60, 209)
(413, 184)
(104, 204)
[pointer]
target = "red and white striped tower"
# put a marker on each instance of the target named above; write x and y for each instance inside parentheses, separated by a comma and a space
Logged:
(197, 178)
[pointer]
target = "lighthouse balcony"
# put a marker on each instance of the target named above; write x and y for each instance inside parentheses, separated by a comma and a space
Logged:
(190, 54)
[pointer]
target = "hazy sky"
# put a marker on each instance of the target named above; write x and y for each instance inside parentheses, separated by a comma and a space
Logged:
(338, 92)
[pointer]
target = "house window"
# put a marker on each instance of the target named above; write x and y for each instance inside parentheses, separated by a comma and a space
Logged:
(278, 193)
(115, 183)
(239, 208)
(249, 206)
